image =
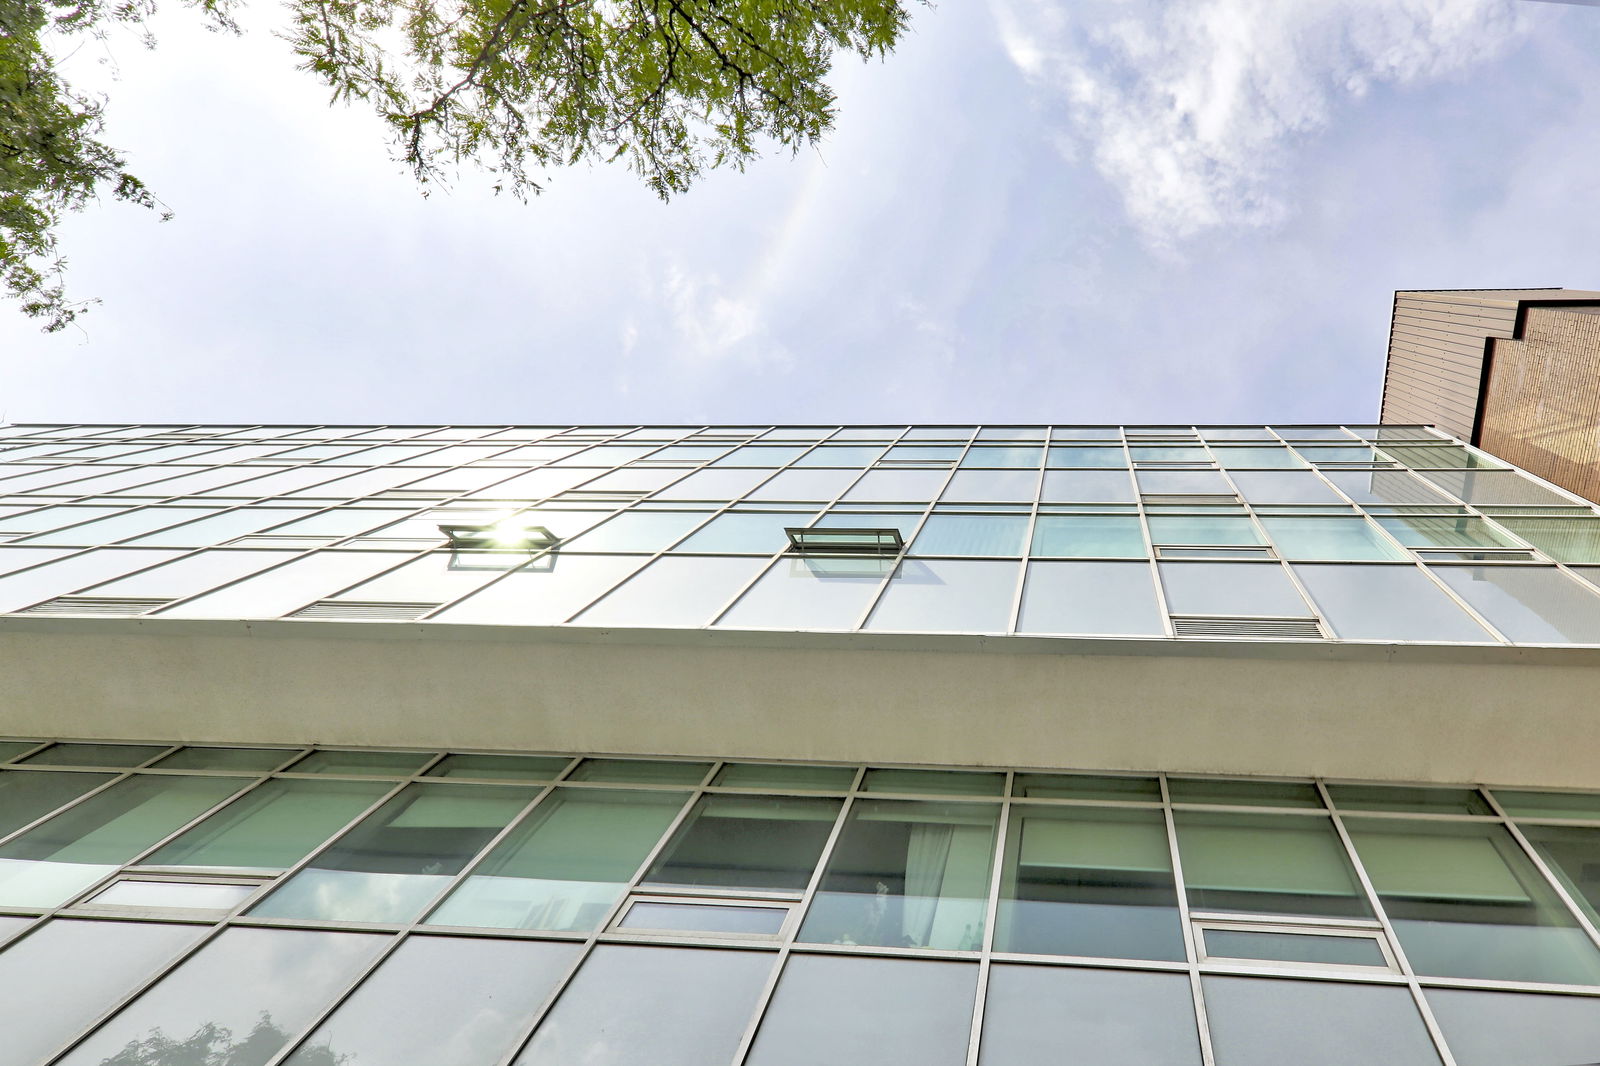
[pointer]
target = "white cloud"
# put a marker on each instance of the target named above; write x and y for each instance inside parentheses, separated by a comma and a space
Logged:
(1189, 108)
(713, 326)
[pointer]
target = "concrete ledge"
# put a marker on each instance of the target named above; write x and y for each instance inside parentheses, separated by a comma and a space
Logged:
(1495, 714)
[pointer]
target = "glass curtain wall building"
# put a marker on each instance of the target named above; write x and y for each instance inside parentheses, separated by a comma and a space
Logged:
(504, 746)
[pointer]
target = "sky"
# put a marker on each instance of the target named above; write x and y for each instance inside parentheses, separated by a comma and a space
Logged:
(1068, 211)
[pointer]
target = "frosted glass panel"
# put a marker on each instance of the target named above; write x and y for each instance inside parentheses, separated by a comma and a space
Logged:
(1254, 1022)
(1107, 1017)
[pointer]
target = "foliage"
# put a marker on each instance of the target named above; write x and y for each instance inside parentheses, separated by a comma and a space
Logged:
(670, 87)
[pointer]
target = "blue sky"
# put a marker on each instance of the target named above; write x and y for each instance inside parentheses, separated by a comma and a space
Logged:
(1035, 210)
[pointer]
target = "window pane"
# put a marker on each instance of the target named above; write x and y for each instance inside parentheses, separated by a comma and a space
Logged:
(749, 534)
(1060, 457)
(1389, 487)
(25, 797)
(554, 588)
(947, 534)
(1283, 486)
(440, 1001)
(26, 587)
(239, 999)
(811, 593)
(947, 596)
(1549, 804)
(1018, 456)
(1087, 787)
(637, 531)
(640, 771)
(376, 763)
(674, 591)
(258, 759)
(1087, 486)
(565, 865)
(1106, 1017)
(1089, 536)
(1453, 531)
(754, 842)
(1109, 598)
(134, 892)
(219, 529)
(1260, 1022)
(1352, 539)
(992, 486)
(1534, 605)
(705, 918)
(941, 782)
(805, 484)
(1293, 947)
(1203, 529)
(1234, 458)
(1566, 540)
(1497, 1028)
(1231, 589)
(273, 826)
(1183, 483)
(502, 767)
(785, 777)
(1088, 881)
(1466, 902)
(1420, 800)
(907, 874)
(94, 755)
(718, 485)
(840, 455)
(1267, 864)
(288, 587)
(1494, 487)
(1387, 603)
(887, 1012)
(192, 574)
(54, 861)
(61, 976)
(891, 486)
(662, 1006)
(1243, 793)
(397, 859)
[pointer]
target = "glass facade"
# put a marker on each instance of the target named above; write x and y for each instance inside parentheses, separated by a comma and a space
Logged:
(1355, 533)
(481, 908)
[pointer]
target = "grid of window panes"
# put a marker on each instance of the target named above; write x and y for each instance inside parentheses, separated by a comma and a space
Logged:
(1364, 533)
(311, 907)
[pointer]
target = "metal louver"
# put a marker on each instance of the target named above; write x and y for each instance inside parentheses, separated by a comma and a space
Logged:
(1246, 628)
(360, 611)
(97, 605)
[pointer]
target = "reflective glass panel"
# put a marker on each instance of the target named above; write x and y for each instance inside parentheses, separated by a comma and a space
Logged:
(746, 534)
(816, 485)
(1087, 486)
(1088, 881)
(1235, 458)
(1533, 605)
(1497, 1028)
(887, 1012)
(637, 531)
(10, 749)
(821, 592)
(1087, 787)
(1444, 531)
(1254, 1021)
(94, 755)
(25, 587)
(754, 842)
(1016, 456)
(1203, 529)
(785, 777)
(398, 858)
(1520, 804)
(1238, 793)
(1566, 540)
(272, 826)
(1293, 947)
(60, 977)
(1089, 536)
(907, 874)
(1420, 800)
(1091, 456)
(962, 596)
(704, 918)
(1231, 589)
(288, 587)
(840, 455)
(1183, 483)
(376, 763)
(1110, 598)
(1283, 486)
(178, 895)
(1267, 864)
(1106, 1017)
(238, 1000)
(501, 767)
(1466, 902)
(548, 591)
(674, 591)
(1573, 854)
(992, 486)
(1353, 539)
(958, 534)
(59, 858)
(640, 771)
(1437, 456)
(1480, 487)
(942, 782)
(440, 1001)
(1395, 488)
(565, 865)
(889, 486)
(259, 759)
(1387, 603)
(721, 485)
(657, 1005)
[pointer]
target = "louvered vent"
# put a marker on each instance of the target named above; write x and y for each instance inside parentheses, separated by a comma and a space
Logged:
(101, 605)
(1248, 628)
(358, 611)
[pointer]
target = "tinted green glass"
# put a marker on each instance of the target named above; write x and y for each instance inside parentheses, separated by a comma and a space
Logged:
(10, 749)
(26, 796)
(1087, 787)
(1466, 902)
(273, 826)
(1520, 804)
(749, 534)
(1420, 800)
(500, 767)
(907, 874)
(1264, 1022)
(784, 777)
(1203, 529)
(946, 534)
(1573, 854)
(1088, 881)
(226, 759)
(640, 771)
(1243, 793)
(1060, 457)
(1293, 947)
(56, 860)
(95, 755)
(398, 858)
(1340, 539)
(376, 763)
(1444, 531)
(1089, 536)
(1267, 864)
(566, 865)
(941, 782)
(755, 842)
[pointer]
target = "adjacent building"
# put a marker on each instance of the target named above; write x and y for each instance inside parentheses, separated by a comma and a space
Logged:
(1514, 371)
(778, 745)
